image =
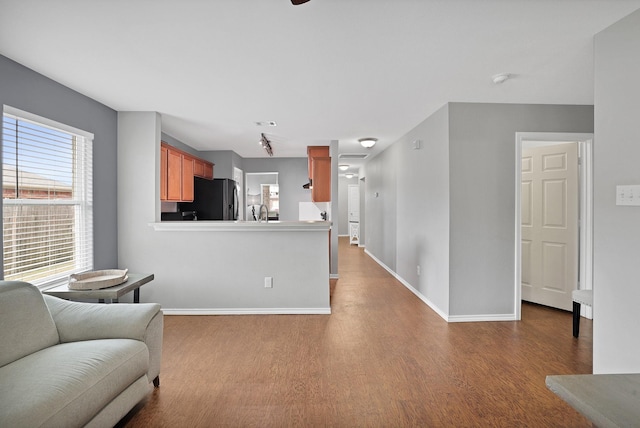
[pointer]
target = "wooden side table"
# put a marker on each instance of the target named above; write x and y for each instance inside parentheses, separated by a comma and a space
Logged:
(135, 281)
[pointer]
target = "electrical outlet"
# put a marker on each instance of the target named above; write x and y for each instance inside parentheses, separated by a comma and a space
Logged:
(418, 270)
(268, 282)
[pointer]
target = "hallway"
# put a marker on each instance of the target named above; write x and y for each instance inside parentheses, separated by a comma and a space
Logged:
(382, 358)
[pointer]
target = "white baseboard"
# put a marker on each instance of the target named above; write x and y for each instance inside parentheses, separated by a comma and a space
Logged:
(334, 276)
(448, 318)
(482, 318)
(410, 287)
(249, 311)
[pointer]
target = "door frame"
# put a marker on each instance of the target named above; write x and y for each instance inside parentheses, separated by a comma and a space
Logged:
(585, 180)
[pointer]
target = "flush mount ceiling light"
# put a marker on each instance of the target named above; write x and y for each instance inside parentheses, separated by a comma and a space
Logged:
(349, 175)
(500, 78)
(343, 167)
(368, 142)
(266, 144)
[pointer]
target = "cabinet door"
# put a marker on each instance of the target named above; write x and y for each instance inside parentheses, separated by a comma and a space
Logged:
(174, 175)
(198, 168)
(316, 152)
(208, 171)
(321, 179)
(187, 179)
(163, 173)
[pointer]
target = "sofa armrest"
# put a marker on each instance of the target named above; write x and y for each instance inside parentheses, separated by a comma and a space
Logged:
(77, 321)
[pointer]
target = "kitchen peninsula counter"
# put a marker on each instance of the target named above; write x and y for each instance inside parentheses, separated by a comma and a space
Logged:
(237, 267)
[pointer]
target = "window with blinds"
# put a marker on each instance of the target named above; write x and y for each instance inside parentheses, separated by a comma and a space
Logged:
(47, 208)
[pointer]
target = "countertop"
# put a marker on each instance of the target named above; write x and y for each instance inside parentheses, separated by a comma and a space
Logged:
(608, 400)
(241, 226)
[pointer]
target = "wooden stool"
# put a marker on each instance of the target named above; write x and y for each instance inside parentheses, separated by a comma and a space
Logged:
(580, 297)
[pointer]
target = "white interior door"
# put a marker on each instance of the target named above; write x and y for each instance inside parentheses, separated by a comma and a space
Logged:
(549, 213)
(354, 203)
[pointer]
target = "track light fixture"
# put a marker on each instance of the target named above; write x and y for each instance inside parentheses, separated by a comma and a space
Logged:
(266, 144)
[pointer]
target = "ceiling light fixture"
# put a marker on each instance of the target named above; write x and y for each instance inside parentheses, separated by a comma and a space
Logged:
(343, 167)
(368, 142)
(266, 144)
(499, 78)
(349, 175)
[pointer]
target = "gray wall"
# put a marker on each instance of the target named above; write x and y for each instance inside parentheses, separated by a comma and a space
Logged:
(380, 206)
(292, 174)
(174, 142)
(482, 198)
(224, 162)
(27, 90)
(616, 228)
(423, 209)
(449, 207)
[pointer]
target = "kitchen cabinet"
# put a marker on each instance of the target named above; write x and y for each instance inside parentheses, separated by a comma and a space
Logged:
(174, 175)
(316, 152)
(321, 180)
(208, 171)
(177, 172)
(163, 173)
(198, 167)
(187, 178)
(319, 173)
(202, 168)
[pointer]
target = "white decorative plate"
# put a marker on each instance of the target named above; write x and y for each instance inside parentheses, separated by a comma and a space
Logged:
(98, 279)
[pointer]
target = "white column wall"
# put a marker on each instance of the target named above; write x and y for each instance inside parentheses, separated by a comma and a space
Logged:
(616, 284)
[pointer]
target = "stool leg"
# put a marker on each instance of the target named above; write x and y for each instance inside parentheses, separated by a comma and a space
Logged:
(576, 319)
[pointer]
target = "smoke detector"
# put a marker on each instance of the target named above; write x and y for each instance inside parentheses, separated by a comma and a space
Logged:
(499, 78)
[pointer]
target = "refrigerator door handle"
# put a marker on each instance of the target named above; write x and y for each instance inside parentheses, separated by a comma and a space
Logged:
(236, 205)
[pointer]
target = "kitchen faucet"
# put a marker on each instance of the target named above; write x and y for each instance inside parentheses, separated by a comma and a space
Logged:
(266, 213)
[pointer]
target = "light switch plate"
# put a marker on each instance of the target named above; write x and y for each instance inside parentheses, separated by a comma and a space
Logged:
(628, 195)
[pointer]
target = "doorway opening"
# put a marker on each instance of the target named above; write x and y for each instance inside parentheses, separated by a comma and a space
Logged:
(262, 188)
(584, 232)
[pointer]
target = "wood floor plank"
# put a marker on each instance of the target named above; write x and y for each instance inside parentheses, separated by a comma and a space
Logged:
(381, 359)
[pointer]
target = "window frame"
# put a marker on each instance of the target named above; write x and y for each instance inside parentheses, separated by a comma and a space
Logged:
(82, 191)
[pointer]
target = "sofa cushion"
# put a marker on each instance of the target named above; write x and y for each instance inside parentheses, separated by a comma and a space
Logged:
(26, 322)
(67, 384)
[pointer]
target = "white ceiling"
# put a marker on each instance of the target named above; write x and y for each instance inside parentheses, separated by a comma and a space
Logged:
(326, 70)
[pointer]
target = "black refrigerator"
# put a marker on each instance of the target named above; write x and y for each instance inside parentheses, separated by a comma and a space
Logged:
(215, 199)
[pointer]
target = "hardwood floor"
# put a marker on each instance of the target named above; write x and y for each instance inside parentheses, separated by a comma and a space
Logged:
(381, 359)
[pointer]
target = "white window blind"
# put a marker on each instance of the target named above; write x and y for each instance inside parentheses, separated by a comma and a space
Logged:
(47, 204)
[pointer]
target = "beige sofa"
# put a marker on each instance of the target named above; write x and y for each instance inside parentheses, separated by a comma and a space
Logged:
(70, 364)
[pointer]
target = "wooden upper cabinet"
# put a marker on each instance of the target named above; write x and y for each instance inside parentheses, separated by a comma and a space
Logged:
(316, 152)
(203, 169)
(163, 173)
(319, 173)
(177, 172)
(321, 179)
(208, 171)
(198, 167)
(187, 178)
(174, 175)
